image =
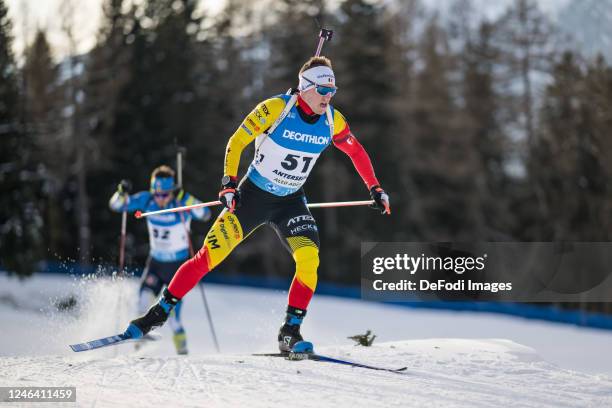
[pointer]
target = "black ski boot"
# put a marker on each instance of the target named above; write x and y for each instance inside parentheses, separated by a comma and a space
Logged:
(155, 317)
(289, 333)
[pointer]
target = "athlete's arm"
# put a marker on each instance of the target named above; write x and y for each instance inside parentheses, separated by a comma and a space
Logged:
(344, 140)
(130, 203)
(256, 122)
(202, 214)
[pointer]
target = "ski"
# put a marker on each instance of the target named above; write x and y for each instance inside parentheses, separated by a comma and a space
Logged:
(125, 337)
(99, 343)
(318, 357)
(327, 359)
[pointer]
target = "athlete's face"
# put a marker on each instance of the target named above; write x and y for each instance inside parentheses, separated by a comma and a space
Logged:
(162, 199)
(317, 102)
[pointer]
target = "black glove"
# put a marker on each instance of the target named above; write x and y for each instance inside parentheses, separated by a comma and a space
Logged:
(229, 195)
(381, 200)
(124, 187)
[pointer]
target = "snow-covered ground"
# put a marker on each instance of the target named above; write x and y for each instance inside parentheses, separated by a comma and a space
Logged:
(454, 359)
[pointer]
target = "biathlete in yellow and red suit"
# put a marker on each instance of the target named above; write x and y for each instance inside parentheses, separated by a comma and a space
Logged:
(290, 132)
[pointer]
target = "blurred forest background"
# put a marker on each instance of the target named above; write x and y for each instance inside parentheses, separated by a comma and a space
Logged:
(479, 129)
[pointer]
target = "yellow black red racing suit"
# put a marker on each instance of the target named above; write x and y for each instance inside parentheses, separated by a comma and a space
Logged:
(271, 191)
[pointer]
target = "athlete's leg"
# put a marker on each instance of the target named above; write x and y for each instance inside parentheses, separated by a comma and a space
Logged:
(306, 256)
(298, 229)
(175, 318)
(150, 286)
(225, 234)
(179, 337)
(165, 271)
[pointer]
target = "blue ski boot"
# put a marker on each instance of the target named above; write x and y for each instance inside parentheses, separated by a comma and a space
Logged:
(155, 317)
(290, 340)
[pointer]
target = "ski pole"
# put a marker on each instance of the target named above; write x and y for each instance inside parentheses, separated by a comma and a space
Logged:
(122, 241)
(121, 265)
(341, 204)
(210, 322)
(324, 35)
(140, 214)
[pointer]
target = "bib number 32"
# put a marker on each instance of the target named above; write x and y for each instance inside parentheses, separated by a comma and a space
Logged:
(161, 234)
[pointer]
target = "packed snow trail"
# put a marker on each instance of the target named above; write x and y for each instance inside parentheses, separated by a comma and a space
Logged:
(559, 365)
(442, 373)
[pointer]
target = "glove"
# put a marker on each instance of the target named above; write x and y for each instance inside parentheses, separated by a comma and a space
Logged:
(381, 200)
(229, 195)
(124, 187)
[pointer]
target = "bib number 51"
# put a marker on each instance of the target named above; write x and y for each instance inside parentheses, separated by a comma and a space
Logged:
(291, 162)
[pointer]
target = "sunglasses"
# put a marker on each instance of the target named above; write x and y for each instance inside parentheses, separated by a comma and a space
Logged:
(162, 195)
(323, 90)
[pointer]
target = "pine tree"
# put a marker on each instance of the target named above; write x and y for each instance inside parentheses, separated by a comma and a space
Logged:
(523, 36)
(75, 133)
(225, 90)
(21, 222)
(596, 149)
(158, 104)
(444, 163)
(292, 38)
(480, 118)
(44, 118)
(40, 76)
(556, 151)
(591, 180)
(403, 25)
(108, 71)
(571, 153)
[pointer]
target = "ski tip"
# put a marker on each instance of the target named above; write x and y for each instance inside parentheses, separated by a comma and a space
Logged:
(78, 347)
(270, 354)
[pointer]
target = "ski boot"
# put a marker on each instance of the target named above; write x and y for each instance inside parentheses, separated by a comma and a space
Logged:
(290, 341)
(155, 317)
(180, 342)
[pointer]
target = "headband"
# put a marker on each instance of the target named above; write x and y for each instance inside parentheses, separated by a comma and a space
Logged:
(162, 184)
(319, 75)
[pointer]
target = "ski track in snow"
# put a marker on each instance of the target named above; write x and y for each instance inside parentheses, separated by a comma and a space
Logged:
(442, 372)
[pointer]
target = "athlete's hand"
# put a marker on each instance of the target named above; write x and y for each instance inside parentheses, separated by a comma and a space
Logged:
(381, 200)
(124, 187)
(229, 195)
